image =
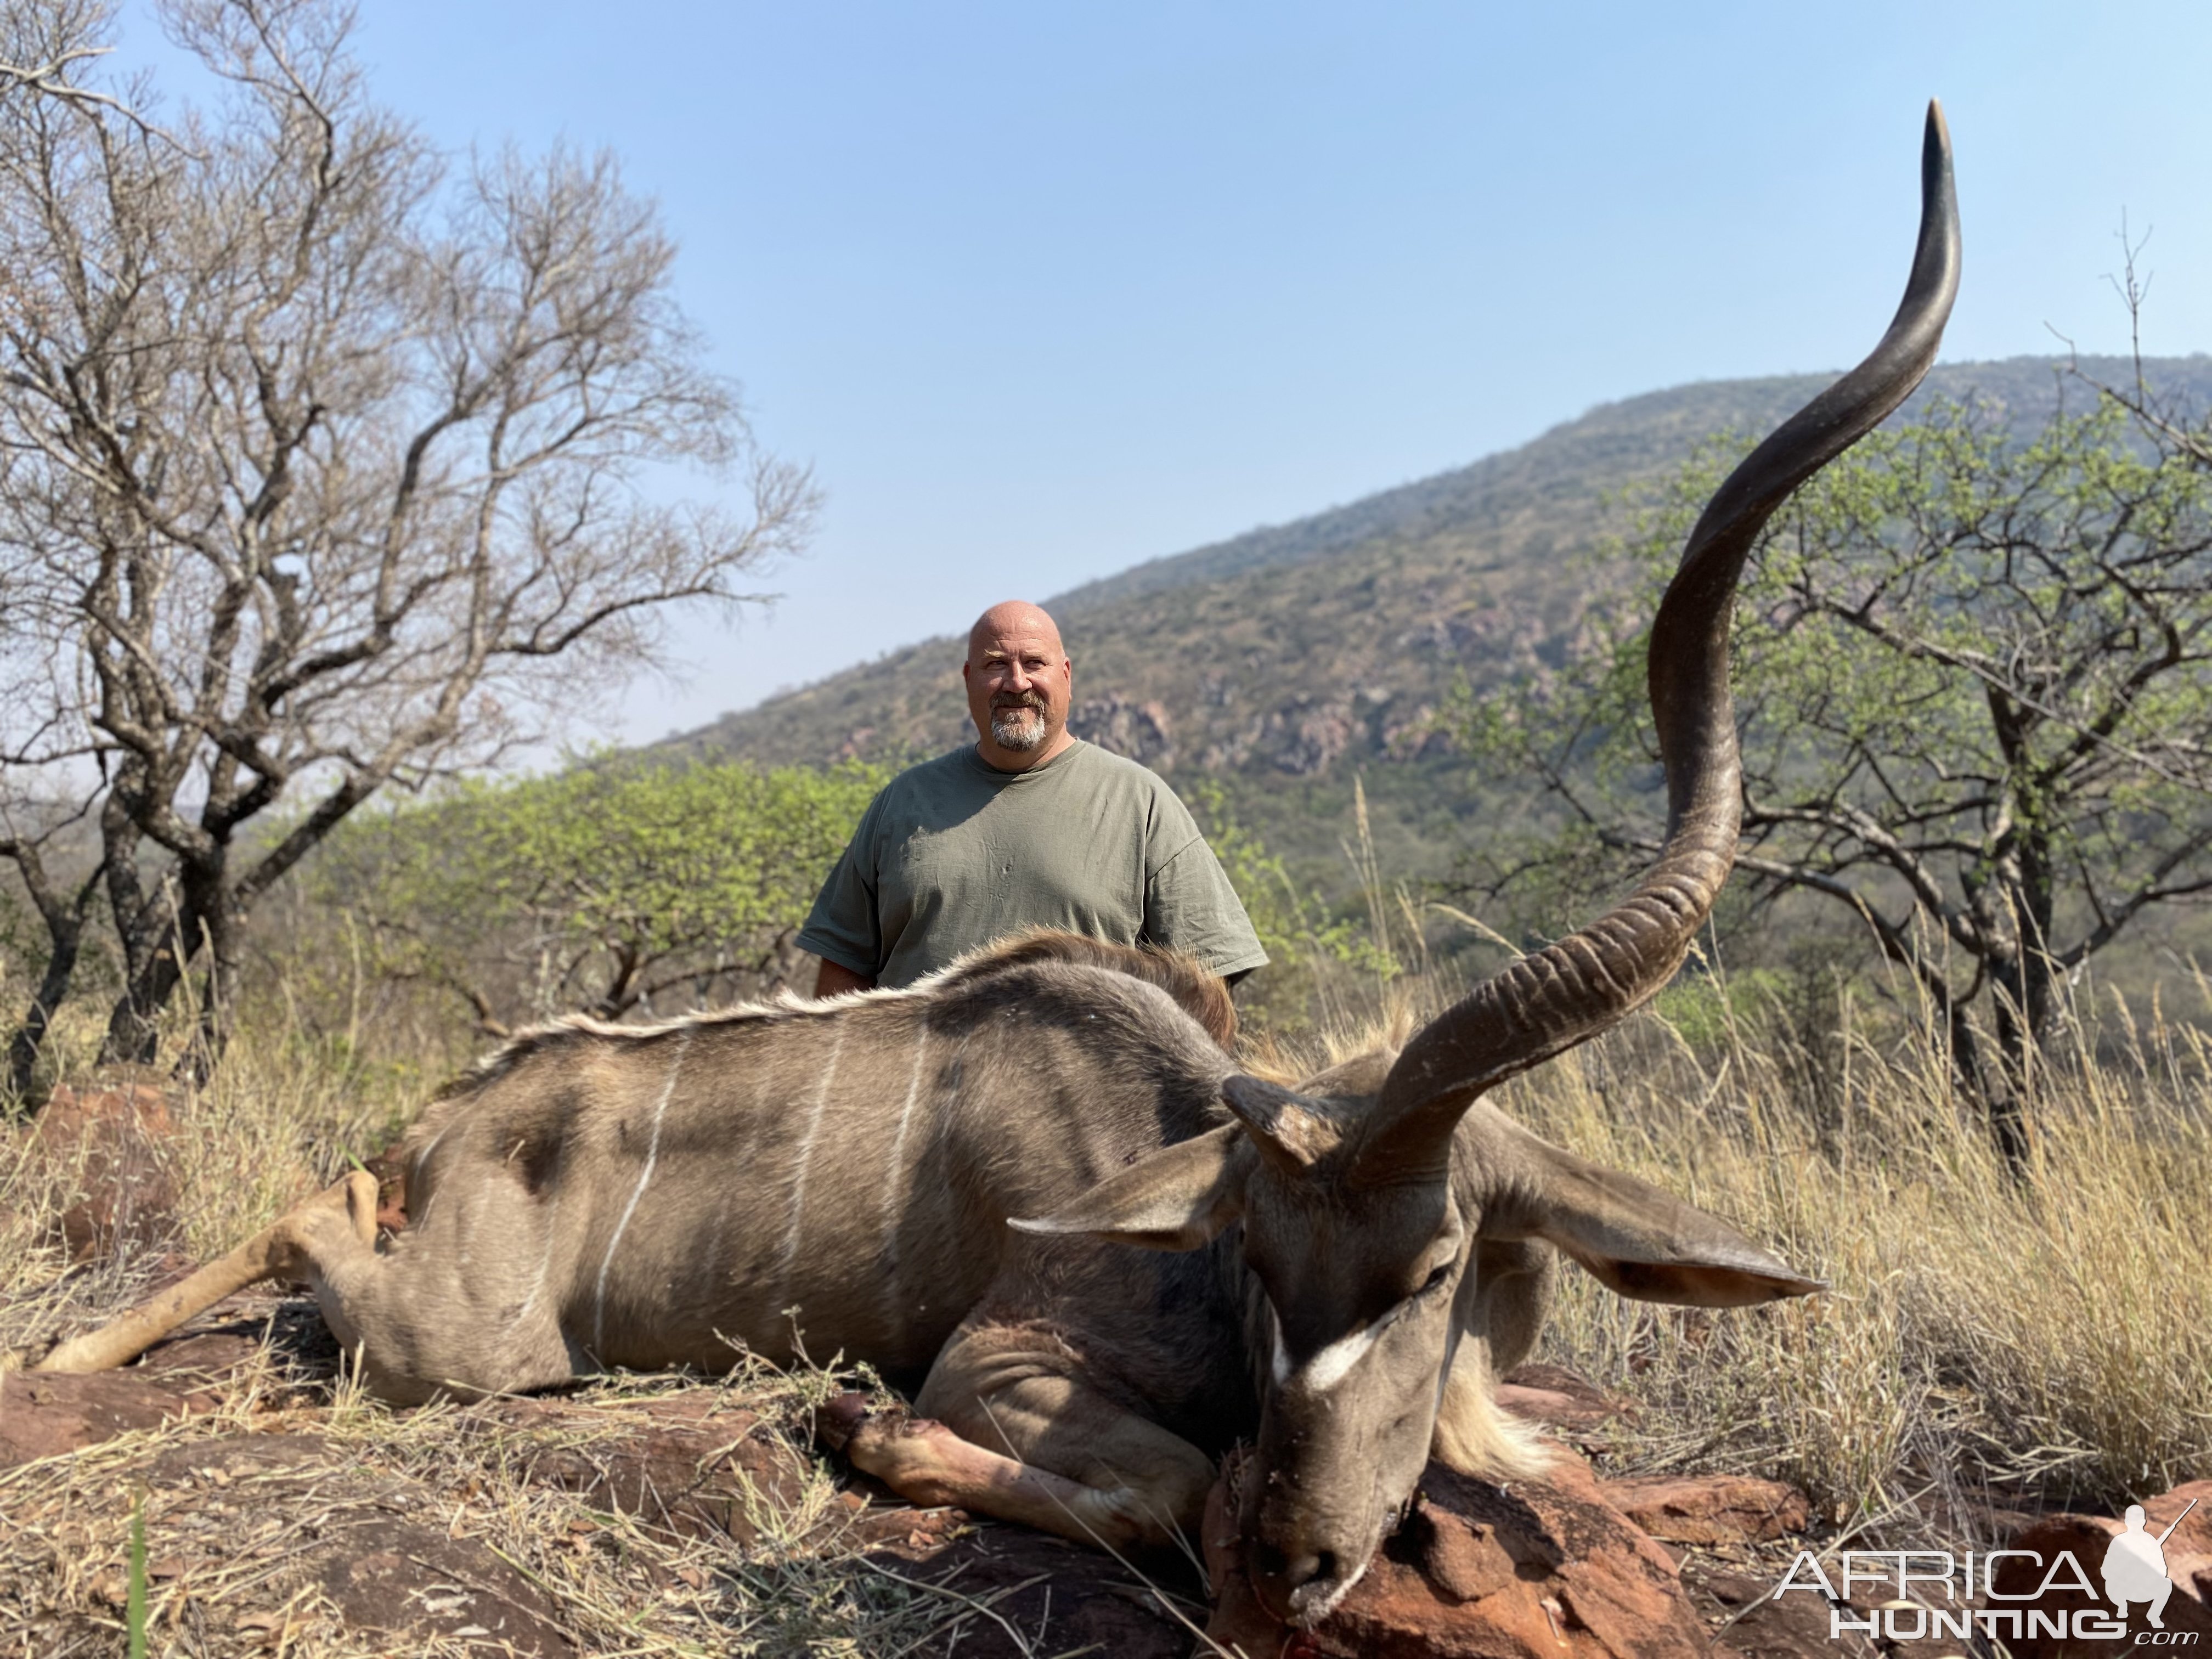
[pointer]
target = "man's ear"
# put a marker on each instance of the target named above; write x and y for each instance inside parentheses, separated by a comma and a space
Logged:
(1636, 1239)
(1178, 1199)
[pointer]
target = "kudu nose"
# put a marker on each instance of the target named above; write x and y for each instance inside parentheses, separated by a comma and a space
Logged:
(1278, 1577)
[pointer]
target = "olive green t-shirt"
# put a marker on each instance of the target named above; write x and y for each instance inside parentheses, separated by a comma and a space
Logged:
(954, 854)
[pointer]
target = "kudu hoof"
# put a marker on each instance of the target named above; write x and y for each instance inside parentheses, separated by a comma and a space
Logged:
(843, 1416)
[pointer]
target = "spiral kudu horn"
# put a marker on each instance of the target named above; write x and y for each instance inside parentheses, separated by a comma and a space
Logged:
(1547, 1002)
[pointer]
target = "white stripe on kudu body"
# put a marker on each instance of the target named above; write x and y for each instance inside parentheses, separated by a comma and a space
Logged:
(790, 1252)
(644, 1179)
(894, 1193)
(544, 1259)
(897, 1185)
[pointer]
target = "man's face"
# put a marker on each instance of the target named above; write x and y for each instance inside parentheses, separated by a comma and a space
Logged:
(1018, 682)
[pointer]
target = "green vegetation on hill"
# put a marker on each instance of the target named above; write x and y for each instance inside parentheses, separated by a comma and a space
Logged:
(1288, 661)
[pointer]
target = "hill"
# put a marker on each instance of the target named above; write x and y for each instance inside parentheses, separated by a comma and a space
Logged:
(1287, 660)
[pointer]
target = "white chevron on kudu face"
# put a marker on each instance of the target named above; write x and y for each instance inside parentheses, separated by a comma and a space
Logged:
(1331, 1364)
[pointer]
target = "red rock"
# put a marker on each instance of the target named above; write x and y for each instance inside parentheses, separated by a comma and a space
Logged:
(414, 1586)
(1047, 1596)
(45, 1413)
(129, 1198)
(691, 1463)
(2194, 1536)
(1714, 1509)
(1556, 1397)
(396, 1578)
(1542, 1569)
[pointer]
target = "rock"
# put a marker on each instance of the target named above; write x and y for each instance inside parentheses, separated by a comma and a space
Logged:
(1308, 733)
(690, 1463)
(1752, 1625)
(1116, 723)
(381, 1572)
(1708, 1509)
(2194, 1536)
(129, 1198)
(1795, 1627)
(219, 1346)
(404, 1580)
(1544, 1569)
(45, 1413)
(1556, 1397)
(1050, 1595)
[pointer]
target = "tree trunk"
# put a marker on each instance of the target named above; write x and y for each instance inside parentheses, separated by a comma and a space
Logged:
(2024, 988)
(203, 915)
(223, 930)
(145, 926)
(1994, 1083)
(64, 922)
(29, 1044)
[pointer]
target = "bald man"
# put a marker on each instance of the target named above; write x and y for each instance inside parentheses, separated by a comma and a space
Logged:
(1027, 827)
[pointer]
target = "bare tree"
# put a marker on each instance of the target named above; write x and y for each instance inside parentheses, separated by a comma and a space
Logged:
(324, 467)
(1975, 683)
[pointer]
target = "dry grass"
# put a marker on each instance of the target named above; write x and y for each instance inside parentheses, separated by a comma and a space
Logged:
(225, 1555)
(277, 1122)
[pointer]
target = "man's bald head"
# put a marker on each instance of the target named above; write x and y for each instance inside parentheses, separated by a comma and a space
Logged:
(1012, 619)
(1019, 684)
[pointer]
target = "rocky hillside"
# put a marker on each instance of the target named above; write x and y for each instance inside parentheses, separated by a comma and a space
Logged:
(1290, 659)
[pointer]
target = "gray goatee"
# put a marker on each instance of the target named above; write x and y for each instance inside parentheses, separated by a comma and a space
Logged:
(1019, 727)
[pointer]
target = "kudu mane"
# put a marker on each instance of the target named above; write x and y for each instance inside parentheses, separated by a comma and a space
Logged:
(1197, 992)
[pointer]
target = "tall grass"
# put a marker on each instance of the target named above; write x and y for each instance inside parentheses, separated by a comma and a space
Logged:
(280, 1119)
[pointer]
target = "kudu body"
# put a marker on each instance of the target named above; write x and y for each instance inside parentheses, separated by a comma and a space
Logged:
(946, 1181)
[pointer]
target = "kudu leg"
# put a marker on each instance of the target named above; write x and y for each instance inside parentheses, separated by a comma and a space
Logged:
(925, 1462)
(282, 1247)
(1070, 1461)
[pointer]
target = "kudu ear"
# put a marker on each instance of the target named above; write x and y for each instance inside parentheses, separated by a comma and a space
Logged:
(1636, 1239)
(1178, 1199)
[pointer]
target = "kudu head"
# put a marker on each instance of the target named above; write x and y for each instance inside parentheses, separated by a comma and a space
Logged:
(1362, 1198)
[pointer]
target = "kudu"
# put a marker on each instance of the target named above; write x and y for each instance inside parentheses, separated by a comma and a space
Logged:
(947, 1179)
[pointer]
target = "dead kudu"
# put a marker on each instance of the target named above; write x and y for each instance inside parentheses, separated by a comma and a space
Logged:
(947, 1181)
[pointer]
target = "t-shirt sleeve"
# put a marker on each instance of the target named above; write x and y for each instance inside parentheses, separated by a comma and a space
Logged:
(845, 926)
(1190, 907)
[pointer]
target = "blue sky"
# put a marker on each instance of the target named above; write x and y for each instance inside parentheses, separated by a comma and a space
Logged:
(1043, 290)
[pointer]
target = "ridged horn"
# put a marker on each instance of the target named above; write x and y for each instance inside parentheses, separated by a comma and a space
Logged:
(1551, 1000)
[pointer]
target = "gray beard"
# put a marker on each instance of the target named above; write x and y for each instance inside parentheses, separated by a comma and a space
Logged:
(1017, 729)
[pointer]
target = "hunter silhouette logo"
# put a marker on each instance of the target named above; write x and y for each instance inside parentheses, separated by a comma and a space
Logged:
(2135, 1566)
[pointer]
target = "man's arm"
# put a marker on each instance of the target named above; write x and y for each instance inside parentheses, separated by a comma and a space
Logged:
(836, 979)
(1190, 907)
(843, 926)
